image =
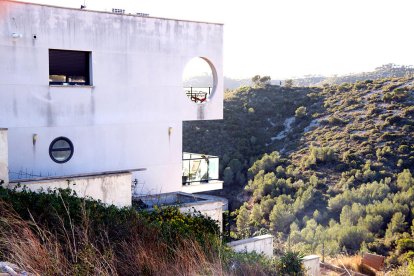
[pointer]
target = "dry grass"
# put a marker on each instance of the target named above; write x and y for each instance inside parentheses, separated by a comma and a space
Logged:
(74, 251)
(353, 263)
(350, 262)
(77, 250)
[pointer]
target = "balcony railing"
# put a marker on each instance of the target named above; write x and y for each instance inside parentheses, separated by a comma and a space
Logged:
(198, 94)
(199, 168)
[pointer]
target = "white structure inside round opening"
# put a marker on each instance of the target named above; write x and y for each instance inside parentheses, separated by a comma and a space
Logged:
(198, 80)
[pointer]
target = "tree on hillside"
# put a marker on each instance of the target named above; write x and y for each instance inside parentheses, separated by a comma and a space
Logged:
(261, 81)
(395, 227)
(300, 112)
(289, 83)
(228, 175)
(281, 217)
(242, 221)
(405, 180)
(256, 215)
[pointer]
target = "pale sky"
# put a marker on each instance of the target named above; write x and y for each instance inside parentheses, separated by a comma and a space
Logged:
(288, 38)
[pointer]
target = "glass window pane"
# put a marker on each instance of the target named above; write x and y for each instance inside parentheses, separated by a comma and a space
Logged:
(61, 155)
(60, 144)
(61, 150)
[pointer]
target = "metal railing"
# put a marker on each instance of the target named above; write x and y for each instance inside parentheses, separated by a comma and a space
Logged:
(27, 174)
(199, 168)
(198, 94)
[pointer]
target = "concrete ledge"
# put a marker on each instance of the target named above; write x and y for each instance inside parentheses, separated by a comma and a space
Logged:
(260, 244)
(73, 176)
(203, 187)
(112, 13)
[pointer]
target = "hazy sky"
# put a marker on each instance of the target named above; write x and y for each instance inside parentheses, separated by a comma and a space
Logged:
(287, 38)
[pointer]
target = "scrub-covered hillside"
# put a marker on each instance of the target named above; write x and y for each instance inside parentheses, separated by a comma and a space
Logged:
(336, 166)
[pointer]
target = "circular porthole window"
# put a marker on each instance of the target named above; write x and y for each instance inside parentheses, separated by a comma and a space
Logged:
(61, 150)
(198, 80)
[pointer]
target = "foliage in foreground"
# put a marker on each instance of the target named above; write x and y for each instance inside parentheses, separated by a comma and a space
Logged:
(59, 234)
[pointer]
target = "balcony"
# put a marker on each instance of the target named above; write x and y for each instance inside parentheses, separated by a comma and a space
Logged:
(200, 173)
(198, 94)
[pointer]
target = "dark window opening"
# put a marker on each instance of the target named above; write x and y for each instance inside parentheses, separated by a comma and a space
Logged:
(61, 150)
(69, 67)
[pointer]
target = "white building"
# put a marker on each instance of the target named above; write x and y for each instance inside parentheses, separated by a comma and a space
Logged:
(94, 100)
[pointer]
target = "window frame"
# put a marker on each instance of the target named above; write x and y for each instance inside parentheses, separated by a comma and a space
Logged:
(66, 83)
(51, 150)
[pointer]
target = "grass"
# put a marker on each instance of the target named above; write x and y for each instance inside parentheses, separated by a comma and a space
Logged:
(72, 236)
(352, 263)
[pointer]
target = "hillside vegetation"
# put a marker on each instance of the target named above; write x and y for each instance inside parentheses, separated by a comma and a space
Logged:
(253, 118)
(335, 169)
(389, 70)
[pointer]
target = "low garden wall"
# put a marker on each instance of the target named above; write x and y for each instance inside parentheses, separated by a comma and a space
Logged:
(260, 244)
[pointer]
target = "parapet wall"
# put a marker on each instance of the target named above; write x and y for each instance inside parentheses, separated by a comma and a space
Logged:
(312, 265)
(260, 244)
(114, 188)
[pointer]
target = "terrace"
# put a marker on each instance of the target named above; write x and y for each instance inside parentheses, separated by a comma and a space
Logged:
(200, 173)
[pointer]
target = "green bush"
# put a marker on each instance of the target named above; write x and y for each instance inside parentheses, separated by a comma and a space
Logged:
(405, 245)
(244, 263)
(290, 263)
(57, 206)
(300, 112)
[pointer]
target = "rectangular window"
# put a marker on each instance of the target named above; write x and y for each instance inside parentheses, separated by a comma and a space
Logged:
(69, 67)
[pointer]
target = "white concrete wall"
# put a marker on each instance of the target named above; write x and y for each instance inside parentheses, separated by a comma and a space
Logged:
(213, 210)
(4, 157)
(260, 244)
(110, 189)
(122, 121)
(312, 265)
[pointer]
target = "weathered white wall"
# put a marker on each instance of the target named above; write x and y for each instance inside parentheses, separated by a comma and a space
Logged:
(214, 210)
(122, 121)
(260, 244)
(4, 157)
(312, 265)
(110, 189)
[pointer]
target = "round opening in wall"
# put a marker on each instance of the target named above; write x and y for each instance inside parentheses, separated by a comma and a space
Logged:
(199, 80)
(61, 150)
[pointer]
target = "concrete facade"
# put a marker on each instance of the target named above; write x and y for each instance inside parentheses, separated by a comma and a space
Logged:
(260, 244)
(110, 189)
(129, 118)
(4, 157)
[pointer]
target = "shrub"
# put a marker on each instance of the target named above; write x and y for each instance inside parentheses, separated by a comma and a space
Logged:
(300, 112)
(248, 263)
(289, 83)
(290, 263)
(344, 87)
(319, 155)
(403, 149)
(72, 236)
(405, 245)
(360, 85)
(334, 120)
(396, 95)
